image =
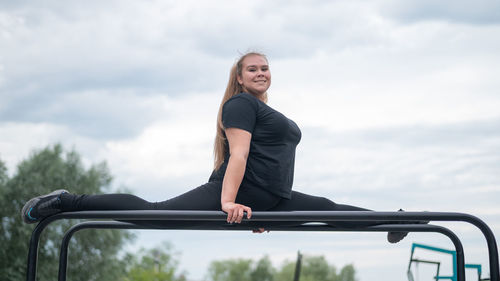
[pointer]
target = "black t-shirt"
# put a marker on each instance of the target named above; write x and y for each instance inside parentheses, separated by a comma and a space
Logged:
(271, 159)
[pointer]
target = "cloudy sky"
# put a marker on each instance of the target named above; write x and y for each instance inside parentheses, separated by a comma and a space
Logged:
(397, 101)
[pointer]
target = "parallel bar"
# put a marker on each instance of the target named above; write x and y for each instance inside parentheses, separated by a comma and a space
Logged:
(276, 217)
(63, 258)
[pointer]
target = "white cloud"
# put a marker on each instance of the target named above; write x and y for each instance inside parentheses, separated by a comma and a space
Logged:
(477, 12)
(1, 75)
(18, 140)
(170, 148)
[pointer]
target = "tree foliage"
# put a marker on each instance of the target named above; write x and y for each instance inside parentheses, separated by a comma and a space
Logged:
(317, 268)
(157, 264)
(44, 171)
(263, 270)
(230, 270)
(314, 268)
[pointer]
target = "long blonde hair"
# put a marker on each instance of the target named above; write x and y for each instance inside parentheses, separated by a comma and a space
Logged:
(233, 88)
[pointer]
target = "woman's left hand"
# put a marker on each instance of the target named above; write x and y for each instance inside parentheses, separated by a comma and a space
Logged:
(236, 211)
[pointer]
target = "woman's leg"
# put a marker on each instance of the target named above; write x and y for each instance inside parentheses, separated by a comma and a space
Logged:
(257, 198)
(204, 197)
(105, 202)
(305, 202)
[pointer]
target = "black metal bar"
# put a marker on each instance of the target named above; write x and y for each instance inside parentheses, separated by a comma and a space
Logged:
(426, 261)
(298, 267)
(437, 263)
(294, 216)
(33, 247)
(63, 254)
(311, 227)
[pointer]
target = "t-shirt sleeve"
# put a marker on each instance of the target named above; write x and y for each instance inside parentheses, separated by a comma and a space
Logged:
(239, 113)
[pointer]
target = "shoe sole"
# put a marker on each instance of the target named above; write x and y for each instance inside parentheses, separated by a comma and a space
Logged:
(33, 201)
(396, 236)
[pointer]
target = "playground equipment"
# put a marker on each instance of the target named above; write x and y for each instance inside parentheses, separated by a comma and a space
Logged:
(274, 221)
(453, 255)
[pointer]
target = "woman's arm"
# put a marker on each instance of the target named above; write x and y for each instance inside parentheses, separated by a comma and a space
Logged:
(239, 146)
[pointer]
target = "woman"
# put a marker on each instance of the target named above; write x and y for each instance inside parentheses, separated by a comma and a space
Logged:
(254, 162)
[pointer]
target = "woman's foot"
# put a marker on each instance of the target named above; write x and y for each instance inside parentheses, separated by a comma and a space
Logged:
(396, 236)
(42, 206)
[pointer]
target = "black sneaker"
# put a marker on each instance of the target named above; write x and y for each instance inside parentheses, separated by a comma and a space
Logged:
(42, 206)
(396, 236)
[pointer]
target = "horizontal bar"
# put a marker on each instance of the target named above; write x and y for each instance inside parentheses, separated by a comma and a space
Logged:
(311, 216)
(425, 261)
(278, 217)
(63, 258)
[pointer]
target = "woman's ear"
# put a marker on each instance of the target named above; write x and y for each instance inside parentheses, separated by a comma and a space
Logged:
(240, 81)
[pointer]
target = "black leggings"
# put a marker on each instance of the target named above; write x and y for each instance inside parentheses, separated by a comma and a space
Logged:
(204, 197)
(207, 197)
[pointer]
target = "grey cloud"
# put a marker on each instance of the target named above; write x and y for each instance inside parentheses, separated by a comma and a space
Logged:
(52, 61)
(100, 115)
(408, 161)
(82, 45)
(288, 30)
(102, 103)
(463, 11)
(49, 51)
(468, 133)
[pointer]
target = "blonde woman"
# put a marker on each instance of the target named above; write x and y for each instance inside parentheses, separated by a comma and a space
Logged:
(254, 162)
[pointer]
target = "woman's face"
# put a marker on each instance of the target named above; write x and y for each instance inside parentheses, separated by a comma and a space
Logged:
(255, 75)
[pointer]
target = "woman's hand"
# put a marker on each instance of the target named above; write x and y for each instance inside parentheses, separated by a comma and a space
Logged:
(260, 230)
(236, 211)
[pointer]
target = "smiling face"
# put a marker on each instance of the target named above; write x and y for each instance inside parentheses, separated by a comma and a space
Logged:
(255, 77)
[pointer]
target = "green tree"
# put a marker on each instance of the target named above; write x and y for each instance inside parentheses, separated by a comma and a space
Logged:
(286, 272)
(157, 264)
(315, 268)
(5, 236)
(263, 270)
(230, 270)
(347, 273)
(93, 253)
(241, 270)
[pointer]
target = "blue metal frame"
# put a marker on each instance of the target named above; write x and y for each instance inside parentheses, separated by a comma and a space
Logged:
(436, 249)
(477, 267)
(453, 254)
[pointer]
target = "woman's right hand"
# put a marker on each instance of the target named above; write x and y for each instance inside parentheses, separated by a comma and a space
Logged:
(236, 211)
